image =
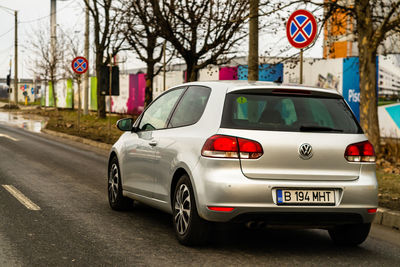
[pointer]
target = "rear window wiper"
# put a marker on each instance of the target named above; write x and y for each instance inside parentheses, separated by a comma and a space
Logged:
(305, 128)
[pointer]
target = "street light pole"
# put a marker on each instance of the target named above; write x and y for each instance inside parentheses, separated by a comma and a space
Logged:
(53, 40)
(86, 54)
(16, 58)
(253, 41)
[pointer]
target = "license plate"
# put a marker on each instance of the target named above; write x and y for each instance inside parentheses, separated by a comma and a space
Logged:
(307, 197)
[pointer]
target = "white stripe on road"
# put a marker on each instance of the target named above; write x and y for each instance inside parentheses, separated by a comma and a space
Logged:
(21, 197)
(9, 137)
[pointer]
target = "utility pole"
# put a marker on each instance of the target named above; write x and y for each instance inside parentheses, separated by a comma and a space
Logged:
(16, 59)
(86, 55)
(53, 34)
(164, 67)
(53, 25)
(253, 41)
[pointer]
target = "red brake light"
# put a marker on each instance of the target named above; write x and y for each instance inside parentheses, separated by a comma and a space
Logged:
(360, 152)
(371, 210)
(223, 209)
(223, 146)
(225, 143)
(368, 149)
(249, 149)
(291, 91)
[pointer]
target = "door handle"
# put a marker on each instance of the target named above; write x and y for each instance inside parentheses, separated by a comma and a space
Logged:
(153, 143)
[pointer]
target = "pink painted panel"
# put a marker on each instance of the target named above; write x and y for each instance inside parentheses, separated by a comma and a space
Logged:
(141, 77)
(228, 73)
(132, 97)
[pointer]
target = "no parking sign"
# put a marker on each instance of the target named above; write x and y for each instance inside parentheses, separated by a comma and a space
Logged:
(301, 29)
(80, 65)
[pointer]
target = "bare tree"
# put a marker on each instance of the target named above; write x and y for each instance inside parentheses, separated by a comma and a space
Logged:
(202, 32)
(44, 62)
(143, 36)
(107, 40)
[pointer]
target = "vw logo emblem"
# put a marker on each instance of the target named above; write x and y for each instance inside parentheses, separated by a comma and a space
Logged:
(305, 151)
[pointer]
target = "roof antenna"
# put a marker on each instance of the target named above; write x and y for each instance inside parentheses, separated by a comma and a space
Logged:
(279, 80)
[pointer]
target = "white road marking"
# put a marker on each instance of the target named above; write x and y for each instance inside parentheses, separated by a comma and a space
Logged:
(9, 137)
(21, 197)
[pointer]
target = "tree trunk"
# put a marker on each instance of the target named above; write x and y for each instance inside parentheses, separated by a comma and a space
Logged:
(368, 97)
(148, 94)
(53, 85)
(101, 99)
(367, 68)
(191, 70)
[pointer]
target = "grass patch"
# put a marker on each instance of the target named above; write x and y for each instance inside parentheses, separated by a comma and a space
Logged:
(389, 189)
(91, 127)
(386, 102)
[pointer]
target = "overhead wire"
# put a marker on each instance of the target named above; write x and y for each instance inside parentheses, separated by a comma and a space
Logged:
(1, 35)
(47, 16)
(6, 9)
(7, 48)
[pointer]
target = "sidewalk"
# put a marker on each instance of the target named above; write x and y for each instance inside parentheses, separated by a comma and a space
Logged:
(387, 217)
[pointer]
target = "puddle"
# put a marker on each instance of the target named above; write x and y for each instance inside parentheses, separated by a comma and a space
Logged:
(18, 120)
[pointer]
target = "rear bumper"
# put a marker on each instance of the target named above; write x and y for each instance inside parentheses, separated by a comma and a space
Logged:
(314, 219)
(221, 183)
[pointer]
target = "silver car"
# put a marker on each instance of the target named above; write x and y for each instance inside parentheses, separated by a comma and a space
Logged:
(262, 154)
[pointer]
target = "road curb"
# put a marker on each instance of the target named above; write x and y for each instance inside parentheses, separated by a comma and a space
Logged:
(82, 140)
(388, 218)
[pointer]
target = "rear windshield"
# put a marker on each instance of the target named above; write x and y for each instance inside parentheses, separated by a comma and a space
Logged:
(294, 113)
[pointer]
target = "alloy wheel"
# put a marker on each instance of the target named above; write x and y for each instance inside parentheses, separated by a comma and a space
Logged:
(182, 209)
(113, 180)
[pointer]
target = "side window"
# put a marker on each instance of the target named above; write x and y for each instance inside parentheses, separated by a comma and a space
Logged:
(156, 116)
(191, 107)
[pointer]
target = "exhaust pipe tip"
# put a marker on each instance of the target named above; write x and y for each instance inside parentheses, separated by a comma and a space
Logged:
(261, 225)
(251, 224)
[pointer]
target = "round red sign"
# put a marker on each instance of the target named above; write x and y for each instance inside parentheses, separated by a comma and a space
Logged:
(301, 29)
(80, 65)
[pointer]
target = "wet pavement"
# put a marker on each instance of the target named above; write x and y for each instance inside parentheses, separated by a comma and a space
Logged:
(22, 121)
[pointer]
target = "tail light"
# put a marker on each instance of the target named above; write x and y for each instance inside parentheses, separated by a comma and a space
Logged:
(222, 209)
(223, 146)
(360, 152)
(371, 211)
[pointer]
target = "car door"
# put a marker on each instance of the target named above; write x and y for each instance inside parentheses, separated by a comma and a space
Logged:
(177, 138)
(139, 147)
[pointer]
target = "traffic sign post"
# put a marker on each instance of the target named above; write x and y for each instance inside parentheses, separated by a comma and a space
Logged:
(79, 65)
(301, 30)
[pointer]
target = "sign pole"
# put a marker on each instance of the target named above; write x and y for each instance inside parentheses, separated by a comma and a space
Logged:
(79, 65)
(79, 104)
(301, 30)
(301, 66)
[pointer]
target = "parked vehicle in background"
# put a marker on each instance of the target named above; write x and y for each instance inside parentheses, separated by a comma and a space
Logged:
(255, 153)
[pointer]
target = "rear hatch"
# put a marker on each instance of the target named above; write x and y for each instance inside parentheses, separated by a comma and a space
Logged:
(303, 134)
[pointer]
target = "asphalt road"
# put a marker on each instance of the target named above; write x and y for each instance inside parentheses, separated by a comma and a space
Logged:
(76, 227)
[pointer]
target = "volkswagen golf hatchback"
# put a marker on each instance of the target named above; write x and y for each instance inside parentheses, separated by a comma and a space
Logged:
(262, 154)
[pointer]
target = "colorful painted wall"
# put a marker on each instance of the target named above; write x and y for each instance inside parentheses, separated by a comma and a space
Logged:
(339, 74)
(389, 120)
(24, 87)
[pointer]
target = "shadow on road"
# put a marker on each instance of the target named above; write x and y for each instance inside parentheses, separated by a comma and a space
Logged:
(232, 237)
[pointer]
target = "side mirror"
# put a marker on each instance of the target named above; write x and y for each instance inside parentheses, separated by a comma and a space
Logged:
(125, 124)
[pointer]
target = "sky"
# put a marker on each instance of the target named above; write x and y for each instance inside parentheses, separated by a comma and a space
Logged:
(33, 14)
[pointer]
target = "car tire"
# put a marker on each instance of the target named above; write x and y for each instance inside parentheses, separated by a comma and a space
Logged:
(190, 228)
(114, 189)
(350, 235)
